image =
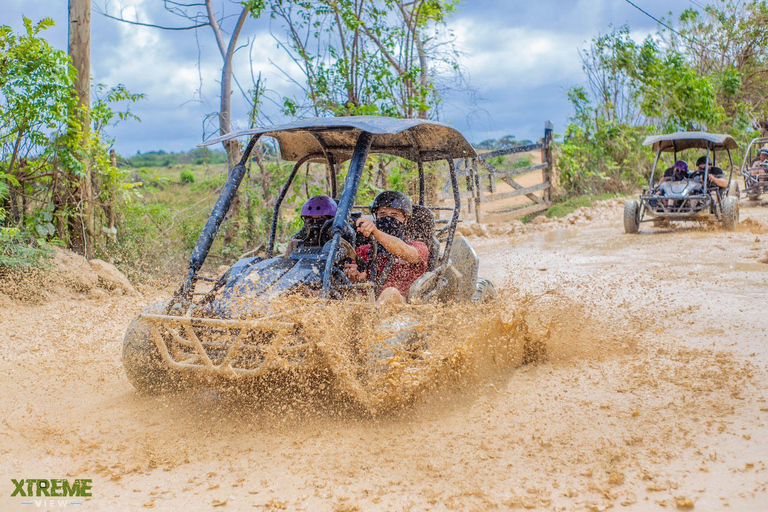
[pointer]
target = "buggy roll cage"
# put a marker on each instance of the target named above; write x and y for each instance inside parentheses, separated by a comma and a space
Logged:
(680, 141)
(334, 140)
(750, 180)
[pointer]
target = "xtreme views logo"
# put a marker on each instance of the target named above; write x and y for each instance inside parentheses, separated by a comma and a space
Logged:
(38, 488)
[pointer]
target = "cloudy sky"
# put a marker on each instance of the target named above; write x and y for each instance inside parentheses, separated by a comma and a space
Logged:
(521, 57)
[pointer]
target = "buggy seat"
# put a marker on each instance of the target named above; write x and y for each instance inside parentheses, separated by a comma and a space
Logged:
(421, 227)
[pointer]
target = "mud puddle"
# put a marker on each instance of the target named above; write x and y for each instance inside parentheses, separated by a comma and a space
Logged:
(652, 397)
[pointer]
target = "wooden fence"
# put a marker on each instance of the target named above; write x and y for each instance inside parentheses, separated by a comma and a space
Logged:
(480, 178)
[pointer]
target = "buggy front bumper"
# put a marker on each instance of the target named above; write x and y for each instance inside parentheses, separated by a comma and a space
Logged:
(229, 348)
(696, 207)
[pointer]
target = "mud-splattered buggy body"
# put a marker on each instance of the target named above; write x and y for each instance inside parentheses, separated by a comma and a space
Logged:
(692, 198)
(232, 329)
(755, 172)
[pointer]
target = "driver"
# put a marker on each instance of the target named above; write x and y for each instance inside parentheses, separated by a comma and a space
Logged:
(392, 211)
(716, 175)
(760, 164)
(762, 156)
(315, 212)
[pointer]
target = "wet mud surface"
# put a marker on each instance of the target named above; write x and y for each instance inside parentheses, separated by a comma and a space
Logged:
(652, 395)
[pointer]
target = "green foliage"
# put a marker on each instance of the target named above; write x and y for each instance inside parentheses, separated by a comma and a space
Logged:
(186, 176)
(49, 144)
(664, 84)
(18, 250)
(563, 208)
(197, 156)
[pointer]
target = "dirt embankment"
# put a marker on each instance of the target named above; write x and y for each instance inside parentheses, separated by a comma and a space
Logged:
(652, 395)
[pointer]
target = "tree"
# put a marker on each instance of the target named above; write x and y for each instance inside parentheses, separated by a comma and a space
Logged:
(367, 56)
(728, 41)
(202, 14)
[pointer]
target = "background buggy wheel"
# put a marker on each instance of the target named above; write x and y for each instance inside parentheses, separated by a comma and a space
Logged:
(730, 213)
(734, 190)
(631, 216)
(143, 363)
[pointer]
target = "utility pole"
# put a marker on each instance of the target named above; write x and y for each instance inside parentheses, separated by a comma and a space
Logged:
(80, 53)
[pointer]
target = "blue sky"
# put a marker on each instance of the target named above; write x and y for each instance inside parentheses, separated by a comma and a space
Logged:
(521, 57)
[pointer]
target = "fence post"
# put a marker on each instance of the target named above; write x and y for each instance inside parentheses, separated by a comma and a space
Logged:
(491, 182)
(478, 191)
(470, 184)
(546, 157)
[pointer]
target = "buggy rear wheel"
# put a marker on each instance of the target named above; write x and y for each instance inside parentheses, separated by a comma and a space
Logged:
(484, 291)
(730, 213)
(631, 217)
(142, 361)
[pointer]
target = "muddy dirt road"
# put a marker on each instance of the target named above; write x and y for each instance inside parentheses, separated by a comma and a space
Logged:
(653, 397)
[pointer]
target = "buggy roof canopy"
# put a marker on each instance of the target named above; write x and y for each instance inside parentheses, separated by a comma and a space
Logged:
(317, 137)
(686, 140)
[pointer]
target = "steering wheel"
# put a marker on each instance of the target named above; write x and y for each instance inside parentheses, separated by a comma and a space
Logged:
(696, 175)
(373, 256)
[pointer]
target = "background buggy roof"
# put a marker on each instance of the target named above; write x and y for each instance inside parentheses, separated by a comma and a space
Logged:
(686, 140)
(406, 138)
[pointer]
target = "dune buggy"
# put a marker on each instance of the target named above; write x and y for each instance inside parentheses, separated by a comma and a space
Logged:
(690, 197)
(232, 330)
(754, 169)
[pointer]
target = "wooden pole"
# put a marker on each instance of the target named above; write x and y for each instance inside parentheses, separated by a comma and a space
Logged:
(80, 47)
(80, 53)
(546, 158)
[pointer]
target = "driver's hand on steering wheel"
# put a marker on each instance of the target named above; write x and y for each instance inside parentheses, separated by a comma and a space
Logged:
(366, 226)
(354, 275)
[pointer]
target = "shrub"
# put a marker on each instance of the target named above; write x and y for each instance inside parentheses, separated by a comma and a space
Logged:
(187, 176)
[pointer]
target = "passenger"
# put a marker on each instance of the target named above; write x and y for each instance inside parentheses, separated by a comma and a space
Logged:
(678, 172)
(716, 175)
(392, 211)
(315, 212)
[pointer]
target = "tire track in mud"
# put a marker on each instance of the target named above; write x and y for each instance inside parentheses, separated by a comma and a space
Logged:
(645, 400)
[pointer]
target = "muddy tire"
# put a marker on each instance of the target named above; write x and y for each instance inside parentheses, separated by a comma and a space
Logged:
(484, 292)
(631, 217)
(730, 213)
(733, 190)
(753, 197)
(142, 361)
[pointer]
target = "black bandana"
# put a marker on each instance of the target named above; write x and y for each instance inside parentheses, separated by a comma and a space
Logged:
(391, 226)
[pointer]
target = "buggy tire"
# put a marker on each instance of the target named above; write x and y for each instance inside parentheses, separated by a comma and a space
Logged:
(142, 361)
(631, 217)
(484, 292)
(733, 190)
(730, 213)
(753, 197)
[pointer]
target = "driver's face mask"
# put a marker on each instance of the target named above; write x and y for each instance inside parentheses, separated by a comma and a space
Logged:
(391, 226)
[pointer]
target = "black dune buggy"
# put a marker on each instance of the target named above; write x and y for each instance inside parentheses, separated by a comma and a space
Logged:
(230, 331)
(754, 169)
(692, 197)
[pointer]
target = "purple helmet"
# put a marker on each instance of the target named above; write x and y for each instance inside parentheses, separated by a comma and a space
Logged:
(319, 205)
(680, 166)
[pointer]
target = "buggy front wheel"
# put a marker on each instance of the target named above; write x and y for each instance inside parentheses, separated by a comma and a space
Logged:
(631, 217)
(142, 361)
(730, 213)
(734, 190)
